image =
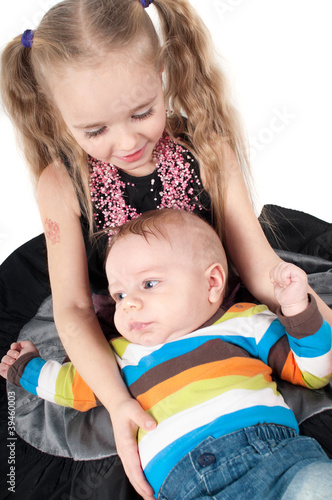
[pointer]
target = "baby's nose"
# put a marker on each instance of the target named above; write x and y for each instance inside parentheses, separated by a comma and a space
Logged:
(131, 302)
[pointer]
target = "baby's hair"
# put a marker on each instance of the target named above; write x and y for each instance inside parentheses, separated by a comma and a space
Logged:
(78, 33)
(174, 223)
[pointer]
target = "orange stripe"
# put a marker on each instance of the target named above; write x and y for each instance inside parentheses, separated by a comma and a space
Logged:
(292, 372)
(84, 398)
(230, 367)
(242, 306)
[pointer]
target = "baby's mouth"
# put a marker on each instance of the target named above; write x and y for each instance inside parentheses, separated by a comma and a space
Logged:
(138, 325)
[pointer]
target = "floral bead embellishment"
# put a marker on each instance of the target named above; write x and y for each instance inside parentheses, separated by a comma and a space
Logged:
(174, 167)
(176, 174)
(106, 190)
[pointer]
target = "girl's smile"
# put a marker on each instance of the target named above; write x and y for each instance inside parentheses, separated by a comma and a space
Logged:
(116, 112)
(134, 156)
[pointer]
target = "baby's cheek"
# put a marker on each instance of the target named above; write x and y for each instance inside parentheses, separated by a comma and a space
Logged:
(120, 323)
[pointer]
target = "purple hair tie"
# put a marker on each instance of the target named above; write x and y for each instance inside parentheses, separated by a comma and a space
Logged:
(146, 3)
(27, 38)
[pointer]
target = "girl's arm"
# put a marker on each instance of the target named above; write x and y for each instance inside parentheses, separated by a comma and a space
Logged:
(246, 243)
(76, 321)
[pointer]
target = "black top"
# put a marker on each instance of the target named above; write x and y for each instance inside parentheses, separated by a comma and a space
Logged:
(175, 183)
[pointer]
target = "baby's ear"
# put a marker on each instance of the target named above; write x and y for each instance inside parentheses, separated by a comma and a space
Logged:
(216, 279)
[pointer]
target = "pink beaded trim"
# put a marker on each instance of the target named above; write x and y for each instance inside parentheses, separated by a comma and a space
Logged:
(176, 174)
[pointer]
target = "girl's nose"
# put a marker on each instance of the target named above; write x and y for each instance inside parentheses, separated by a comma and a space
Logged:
(132, 303)
(124, 140)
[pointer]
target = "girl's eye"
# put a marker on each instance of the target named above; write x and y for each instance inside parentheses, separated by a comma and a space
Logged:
(95, 133)
(147, 114)
(119, 296)
(150, 284)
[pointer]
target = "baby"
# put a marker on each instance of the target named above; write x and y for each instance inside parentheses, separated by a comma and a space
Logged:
(203, 372)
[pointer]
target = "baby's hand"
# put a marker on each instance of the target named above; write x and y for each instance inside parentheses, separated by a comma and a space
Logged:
(290, 288)
(16, 350)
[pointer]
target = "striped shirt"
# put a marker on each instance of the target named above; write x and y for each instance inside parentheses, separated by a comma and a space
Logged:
(211, 382)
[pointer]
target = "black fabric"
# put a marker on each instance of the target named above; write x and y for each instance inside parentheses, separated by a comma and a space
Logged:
(96, 252)
(297, 232)
(39, 476)
(319, 426)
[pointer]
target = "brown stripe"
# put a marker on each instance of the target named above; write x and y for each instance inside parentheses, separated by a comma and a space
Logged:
(278, 355)
(16, 370)
(304, 324)
(211, 350)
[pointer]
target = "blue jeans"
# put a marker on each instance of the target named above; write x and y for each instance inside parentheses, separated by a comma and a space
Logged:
(260, 462)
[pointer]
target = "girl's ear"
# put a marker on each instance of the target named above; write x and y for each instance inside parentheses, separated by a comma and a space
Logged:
(216, 282)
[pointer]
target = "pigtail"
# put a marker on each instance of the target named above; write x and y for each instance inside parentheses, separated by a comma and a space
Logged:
(196, 87)
(41, 132)
(26, 106)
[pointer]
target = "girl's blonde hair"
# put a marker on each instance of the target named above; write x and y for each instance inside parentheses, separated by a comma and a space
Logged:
(83, 32)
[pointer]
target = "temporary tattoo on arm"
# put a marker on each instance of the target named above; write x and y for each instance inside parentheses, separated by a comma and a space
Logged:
(52, 231)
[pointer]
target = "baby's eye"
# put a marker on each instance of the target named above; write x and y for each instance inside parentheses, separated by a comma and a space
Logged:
(118, 296)
(150, 284)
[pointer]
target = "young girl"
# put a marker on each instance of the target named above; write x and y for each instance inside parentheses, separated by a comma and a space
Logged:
(88, 92)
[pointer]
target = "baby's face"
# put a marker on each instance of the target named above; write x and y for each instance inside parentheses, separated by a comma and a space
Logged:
(160, 293)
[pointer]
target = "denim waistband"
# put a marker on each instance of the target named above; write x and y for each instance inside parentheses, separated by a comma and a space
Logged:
(257, 436)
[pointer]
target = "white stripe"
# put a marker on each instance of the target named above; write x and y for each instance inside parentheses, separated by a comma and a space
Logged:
(47, 380)
(319, 366)
(135, 352)
(253, 327)
(190, 419)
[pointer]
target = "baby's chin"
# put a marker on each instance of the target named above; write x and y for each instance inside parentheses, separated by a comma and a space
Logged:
(147, 336)
(155, 340)
(145, 340)
(151, 337)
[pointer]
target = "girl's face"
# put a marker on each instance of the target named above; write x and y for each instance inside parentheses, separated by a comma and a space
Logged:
(115, 111)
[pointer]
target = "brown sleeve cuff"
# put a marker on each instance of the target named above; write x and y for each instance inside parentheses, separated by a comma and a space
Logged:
(306, 323)
(16, 370)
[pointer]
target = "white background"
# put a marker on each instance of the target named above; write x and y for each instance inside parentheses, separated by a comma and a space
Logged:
(278, 56)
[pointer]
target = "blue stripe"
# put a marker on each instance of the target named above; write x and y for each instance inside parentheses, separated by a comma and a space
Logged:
(177, 348)
(270, 337)
(168, 351)
(312, 345)
(247, 343)
(29, 379)
(159, 467)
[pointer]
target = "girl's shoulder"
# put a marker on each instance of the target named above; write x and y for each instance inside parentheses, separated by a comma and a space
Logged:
(55, 186)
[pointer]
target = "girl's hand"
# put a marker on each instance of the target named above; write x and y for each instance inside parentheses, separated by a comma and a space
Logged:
(126, 419)
(16, 350)
(290, 288)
